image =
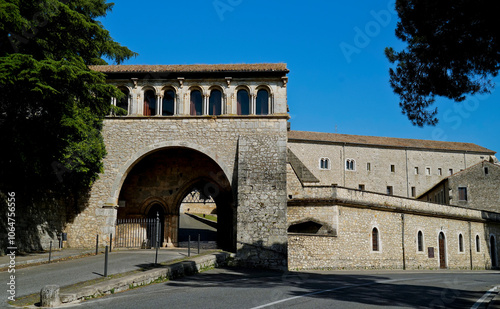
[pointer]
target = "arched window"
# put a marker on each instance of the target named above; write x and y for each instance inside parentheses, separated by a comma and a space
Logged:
(196, 103)
(243, 102)
(123, 102)
(460, 243)
(262, 103)
(350, 165)
(149, 103)
(478, 245)
(420, 241)
(167, 108)
(324, 163)
(375, 240)
(215, 102)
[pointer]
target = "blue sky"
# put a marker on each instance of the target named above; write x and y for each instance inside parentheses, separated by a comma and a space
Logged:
(338, 80)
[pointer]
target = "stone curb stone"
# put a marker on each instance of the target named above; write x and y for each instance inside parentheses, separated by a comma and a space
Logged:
(173, 271)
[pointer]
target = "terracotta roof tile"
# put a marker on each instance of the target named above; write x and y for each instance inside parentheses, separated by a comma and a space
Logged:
(192, 68)
(386, 141)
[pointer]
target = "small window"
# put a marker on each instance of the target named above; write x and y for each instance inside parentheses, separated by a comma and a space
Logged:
(416, 170)
(149, 103)
(368, 166)
(393, 168)
(440, 172)
(324, 163)
(243, 102)
(478, 245)
(450, 171)
(350, 165)
(428, 171)
(389, 190)
(486, 171)
(462, 193)
(361, 187)
(196, 103)
(215, 102)
(262, 102)
(460, 243)
(375, 240)
(420, 242)
(413, 191)
(168, 103)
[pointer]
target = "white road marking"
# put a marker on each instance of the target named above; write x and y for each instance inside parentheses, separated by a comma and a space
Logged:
(330, 290)
(483, 299)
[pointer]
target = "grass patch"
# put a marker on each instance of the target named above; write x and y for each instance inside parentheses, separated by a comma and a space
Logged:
(208, 217)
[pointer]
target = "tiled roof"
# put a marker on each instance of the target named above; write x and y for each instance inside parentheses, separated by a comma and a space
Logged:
(386, 141)
(192, 68)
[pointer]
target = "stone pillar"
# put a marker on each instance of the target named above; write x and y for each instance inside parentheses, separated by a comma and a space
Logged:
(262, 205)
(49, 296)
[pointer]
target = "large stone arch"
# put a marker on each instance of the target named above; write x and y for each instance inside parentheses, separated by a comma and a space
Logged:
(123, 171)
(165, 176)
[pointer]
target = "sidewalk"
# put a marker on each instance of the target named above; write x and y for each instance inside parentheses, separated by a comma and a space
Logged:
(43, 257)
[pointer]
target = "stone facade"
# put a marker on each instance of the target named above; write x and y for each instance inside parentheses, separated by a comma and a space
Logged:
(398, 221)
(158, 160)
(480, 185)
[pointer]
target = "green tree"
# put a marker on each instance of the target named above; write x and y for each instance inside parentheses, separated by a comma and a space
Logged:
(453, 50)
(52, 105)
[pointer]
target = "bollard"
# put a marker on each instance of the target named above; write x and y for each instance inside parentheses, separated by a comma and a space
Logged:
(198, 243)
(110, 241)
(97, 244)
(106, 262)
(61, 241)
(50, 251)
(189, 245)
(49, 296)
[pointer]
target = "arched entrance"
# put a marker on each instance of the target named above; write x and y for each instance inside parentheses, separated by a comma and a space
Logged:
(493, 252)
(168, 175)
(442, 250)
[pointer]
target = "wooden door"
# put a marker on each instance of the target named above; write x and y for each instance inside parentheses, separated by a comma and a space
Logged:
(442, 251)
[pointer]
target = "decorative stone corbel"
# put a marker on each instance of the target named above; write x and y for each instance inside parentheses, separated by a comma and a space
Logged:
(228, 81)
(284, 79)
(134, 80)
(181, 81)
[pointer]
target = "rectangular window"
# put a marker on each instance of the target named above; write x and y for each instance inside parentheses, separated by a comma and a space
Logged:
(393, 168)
(450, 171)
(440, 172)
(361, 187)
(486, 171)
(389, 190)
(368, 167)
(462, 193)
(416, 170)
(413, 191)
(428, 171)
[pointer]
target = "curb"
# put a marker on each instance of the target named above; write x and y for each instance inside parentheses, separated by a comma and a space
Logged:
(173, 271)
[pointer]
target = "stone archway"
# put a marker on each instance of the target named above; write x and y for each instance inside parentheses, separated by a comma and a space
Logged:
(167, 175)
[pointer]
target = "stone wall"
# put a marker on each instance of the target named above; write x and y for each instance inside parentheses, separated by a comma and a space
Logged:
(256, 143)
(398, 221)
(379, 175)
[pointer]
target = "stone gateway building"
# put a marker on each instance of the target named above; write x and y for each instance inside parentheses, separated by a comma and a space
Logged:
(284, 199)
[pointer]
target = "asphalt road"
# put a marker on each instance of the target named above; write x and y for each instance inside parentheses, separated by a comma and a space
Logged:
(31, 279)
(189, 226)
(236, 288)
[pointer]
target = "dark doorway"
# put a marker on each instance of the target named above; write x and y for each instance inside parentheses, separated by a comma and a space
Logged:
(153, 213)
(442, 250)
(493, 254)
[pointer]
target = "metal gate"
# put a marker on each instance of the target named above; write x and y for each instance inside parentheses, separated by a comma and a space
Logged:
(137, 233)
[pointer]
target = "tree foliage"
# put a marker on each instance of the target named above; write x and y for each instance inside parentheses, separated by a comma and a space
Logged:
(52, 105)
(453, 50)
